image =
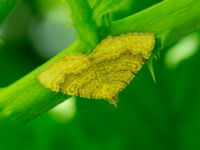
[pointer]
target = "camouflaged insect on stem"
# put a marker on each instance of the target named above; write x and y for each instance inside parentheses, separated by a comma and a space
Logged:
(105, 72)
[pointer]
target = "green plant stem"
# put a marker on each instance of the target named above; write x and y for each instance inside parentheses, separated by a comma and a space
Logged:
(27, 99)
(6, 6)
(82, 20)
(169, 20)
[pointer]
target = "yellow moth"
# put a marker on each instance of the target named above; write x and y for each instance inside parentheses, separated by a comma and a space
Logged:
(105, 72)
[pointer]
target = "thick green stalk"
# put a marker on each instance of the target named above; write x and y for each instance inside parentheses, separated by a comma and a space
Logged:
(6, 6)
(27, 98)
(170, 20)
(82, 20)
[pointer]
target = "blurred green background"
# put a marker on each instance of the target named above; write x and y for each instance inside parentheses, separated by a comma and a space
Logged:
(150, 116)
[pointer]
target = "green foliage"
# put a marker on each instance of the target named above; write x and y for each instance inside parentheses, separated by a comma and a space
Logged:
(104, 7)
(161, 116)
(6, 7)
(85, 26)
